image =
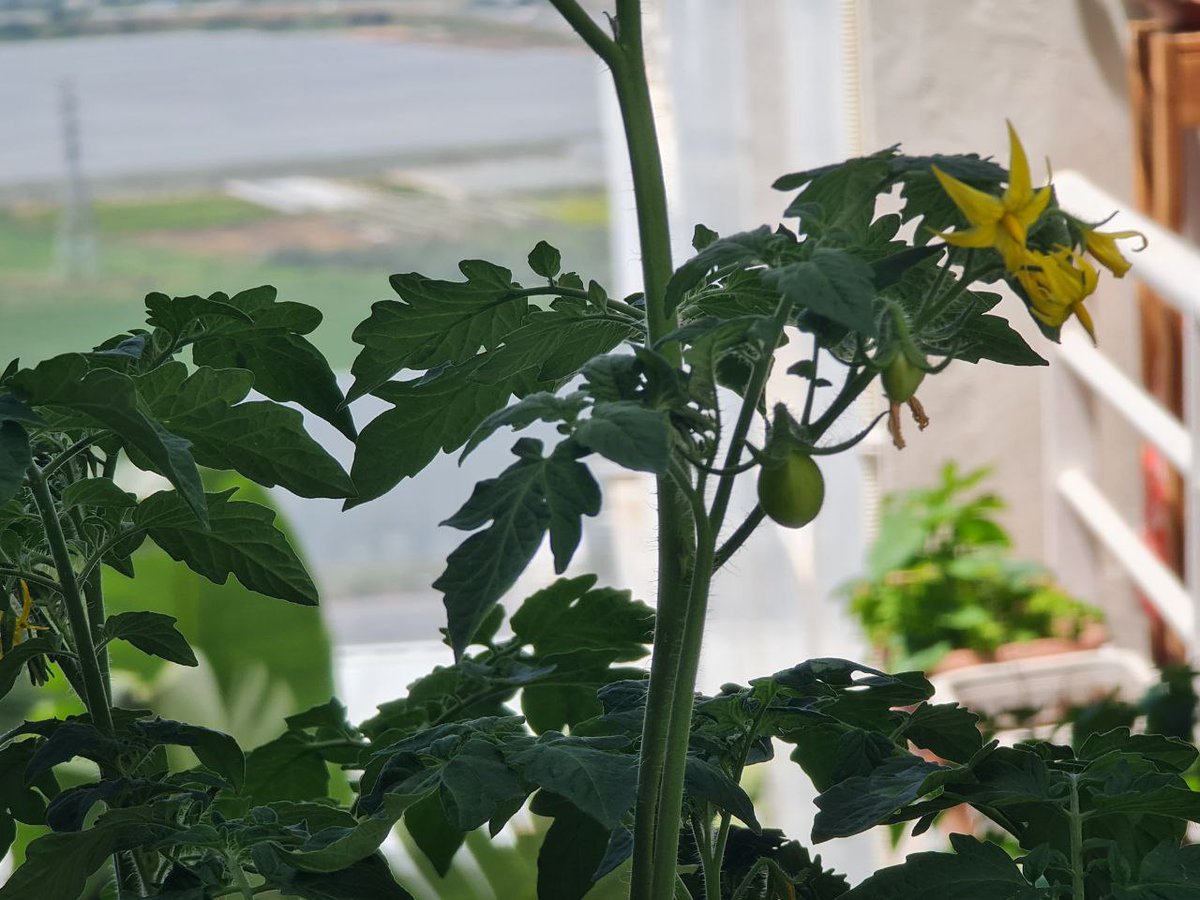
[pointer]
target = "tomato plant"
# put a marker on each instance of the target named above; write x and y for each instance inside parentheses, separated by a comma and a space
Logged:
(548, 706)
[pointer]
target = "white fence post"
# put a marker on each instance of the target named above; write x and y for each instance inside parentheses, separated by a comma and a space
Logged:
(1070, 430)
(1191, 531)
(1170, 266)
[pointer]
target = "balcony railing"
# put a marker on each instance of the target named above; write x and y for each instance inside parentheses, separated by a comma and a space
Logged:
(1082, 521)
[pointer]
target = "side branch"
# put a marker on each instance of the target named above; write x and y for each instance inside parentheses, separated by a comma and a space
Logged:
(585, 26)
(30, 578)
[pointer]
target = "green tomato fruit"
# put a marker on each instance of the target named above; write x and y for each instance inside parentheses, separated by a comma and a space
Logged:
(901, 379)
(791, 490)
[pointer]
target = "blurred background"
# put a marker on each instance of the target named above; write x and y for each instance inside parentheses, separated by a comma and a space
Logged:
(191, 146)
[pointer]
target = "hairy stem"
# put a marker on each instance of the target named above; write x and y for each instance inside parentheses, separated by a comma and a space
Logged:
(718, 853)
(29, 577)
(620, 306)
(666, 832)
(812, 382)
(1077, 884)
(95, 697)
(626, 59)
(756, 871)
(593, 35)
(740, 535)
(754, 391)
(709, 867)
(848, 394)
(679, 727)
(93, 595)
(67, 455)
(127, 877)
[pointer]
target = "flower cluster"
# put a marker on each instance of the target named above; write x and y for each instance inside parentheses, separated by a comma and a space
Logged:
(1054, 280)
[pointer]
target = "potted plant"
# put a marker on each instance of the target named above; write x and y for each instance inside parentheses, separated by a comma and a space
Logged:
(944, 591)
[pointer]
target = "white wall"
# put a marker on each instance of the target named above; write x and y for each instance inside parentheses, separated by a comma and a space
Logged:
(942, 76)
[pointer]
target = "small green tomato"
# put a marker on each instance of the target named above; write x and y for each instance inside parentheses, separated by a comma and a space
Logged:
(791, 489)
(901, 379)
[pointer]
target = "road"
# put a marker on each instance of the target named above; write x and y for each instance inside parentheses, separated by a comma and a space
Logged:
(196, 102)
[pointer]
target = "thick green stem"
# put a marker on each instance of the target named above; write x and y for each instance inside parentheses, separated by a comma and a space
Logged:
(633, 96)
(650, 194)
(95, 697)
(671, 616)
(670, 810)
(93, 594)
(1077, 883)
(708, 528)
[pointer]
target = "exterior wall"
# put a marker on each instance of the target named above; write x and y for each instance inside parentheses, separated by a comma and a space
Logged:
(942, 75)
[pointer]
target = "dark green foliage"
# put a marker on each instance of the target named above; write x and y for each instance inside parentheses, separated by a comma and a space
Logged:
(572, 851)
(535, 495)
(65, 424)
(264, 441)
(285, 365)
(976, 870)
(240, 540)
(476, 343)
(15, 459)
(152, 633)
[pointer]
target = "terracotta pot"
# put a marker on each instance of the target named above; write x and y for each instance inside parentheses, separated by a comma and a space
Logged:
(960, 659)
(1092, 636)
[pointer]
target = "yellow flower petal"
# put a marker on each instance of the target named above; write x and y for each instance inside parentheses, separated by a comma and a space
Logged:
(1020, 186)
(22, 625)
(1032, 211)
(1103, 246)
(979, 207)
(1012, 250)
(980, 236)
(26, 603)
(1085, 319)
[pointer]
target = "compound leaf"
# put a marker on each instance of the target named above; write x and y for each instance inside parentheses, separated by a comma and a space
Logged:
(153, 633)
(534, 495)
(241, 540)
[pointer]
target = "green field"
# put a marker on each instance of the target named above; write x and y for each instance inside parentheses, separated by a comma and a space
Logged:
(180, 245)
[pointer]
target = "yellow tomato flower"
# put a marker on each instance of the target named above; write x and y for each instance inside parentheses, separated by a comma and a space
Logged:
(1000, 222)
(1103, 246)
(1056, 284)
(23, 626)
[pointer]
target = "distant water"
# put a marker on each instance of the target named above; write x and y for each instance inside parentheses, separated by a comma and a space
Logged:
(206, 101)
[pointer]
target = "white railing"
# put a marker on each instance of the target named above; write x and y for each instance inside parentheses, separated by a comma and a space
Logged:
(1082, 523)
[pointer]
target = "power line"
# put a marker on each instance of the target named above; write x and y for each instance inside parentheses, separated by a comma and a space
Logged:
(76, 248)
